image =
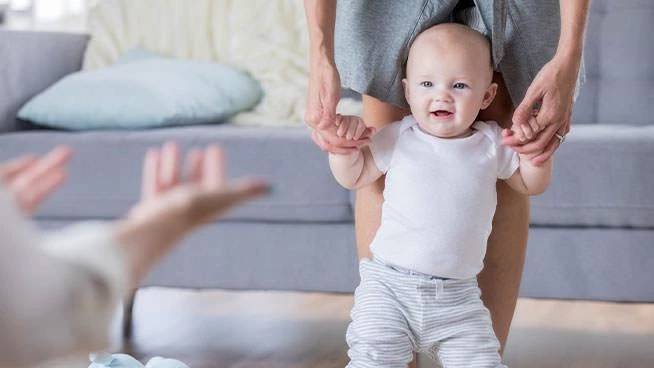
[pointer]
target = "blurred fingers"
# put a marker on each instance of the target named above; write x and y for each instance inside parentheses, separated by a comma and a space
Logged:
(169, 166)
(31, 197)
(213, 171)
(41, 168)
(9, 170)
(194, 165)
(150, 175)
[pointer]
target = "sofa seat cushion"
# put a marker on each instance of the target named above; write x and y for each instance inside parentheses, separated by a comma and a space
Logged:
(603, 176)
(105, 173)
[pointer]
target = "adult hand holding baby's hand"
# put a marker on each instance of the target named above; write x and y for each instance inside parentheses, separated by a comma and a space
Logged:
(322, 97)
(551, 93)
(352, 128)
(335, 138)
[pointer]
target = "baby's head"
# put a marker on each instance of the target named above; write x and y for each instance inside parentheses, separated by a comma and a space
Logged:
(449, 78)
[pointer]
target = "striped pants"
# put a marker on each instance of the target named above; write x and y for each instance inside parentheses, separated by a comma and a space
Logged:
(396, 313)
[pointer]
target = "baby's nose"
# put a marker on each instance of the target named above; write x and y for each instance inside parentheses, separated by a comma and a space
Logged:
(442, 96)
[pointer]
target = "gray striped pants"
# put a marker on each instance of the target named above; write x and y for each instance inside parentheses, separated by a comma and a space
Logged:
(396, 313)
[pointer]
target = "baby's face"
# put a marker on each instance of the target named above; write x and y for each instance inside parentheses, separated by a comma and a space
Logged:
(447, 84)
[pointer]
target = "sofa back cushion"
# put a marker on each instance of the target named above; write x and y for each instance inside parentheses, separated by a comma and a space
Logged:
(29, 63)
(619, 59)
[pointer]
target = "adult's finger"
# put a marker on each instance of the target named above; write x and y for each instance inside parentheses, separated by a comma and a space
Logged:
(194, 165)
(52, 161)
(345, 143)
(329, 100)
(539, 144)
(9, 170)
(312, 116)
(169, 166)
(333, 139)
(325, 146)
(150, 175)
(553, 144)
(213, 172)
(38, 191)
(525, 110)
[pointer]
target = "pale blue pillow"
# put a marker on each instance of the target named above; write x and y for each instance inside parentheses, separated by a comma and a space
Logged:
(144, 90)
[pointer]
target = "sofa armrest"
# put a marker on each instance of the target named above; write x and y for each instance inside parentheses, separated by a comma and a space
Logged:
(30, 62)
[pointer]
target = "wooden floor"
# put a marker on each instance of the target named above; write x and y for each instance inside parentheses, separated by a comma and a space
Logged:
(209, 329)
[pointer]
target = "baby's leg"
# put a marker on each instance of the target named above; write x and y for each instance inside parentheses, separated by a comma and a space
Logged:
(469, 340)
(379, 335)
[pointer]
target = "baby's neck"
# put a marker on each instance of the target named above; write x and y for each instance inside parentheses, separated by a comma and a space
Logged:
(470, 131)
(465, 134)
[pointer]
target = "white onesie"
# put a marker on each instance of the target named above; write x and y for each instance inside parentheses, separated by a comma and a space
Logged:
(439, 198)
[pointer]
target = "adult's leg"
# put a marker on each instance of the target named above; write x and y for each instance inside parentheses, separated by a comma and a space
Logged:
(367, 208)
(505, 258)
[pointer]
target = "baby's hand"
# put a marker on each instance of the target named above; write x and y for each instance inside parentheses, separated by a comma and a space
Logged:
(527, 132)
(509, 133)
(352, 127)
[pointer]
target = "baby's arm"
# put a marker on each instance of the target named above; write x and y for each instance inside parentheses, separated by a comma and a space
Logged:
(357, 169)
(530, 179)
(354, 170)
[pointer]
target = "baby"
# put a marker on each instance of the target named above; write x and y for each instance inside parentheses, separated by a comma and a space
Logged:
(419, 291)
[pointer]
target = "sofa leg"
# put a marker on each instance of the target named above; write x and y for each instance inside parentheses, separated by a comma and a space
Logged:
(128, 307)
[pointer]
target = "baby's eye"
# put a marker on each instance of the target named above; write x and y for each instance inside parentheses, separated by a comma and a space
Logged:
(459, 85)
(426, 84)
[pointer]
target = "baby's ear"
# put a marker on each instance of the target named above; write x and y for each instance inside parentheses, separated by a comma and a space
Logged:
(489, 95)
(405, 85)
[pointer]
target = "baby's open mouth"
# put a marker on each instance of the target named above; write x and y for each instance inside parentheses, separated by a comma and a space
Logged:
(441, 113)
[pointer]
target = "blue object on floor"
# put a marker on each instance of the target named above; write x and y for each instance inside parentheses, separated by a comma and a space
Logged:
(106, 360)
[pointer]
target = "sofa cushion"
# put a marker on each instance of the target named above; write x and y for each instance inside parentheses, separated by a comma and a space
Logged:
(603, 176)
(144, 90)
(29, 63)
(619, 86)
(104, 175)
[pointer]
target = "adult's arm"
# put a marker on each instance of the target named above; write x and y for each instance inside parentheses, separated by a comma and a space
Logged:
(324, 89)
(554, 86)
(58, 293)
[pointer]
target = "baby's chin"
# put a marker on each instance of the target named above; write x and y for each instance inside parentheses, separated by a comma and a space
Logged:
(443, 130)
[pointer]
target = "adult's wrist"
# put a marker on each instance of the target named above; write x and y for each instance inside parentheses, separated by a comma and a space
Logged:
(568, 60)
(320, 56)
(144, 241)
(569, 53)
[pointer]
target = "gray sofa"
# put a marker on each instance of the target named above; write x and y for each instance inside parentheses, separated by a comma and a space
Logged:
(592, 233)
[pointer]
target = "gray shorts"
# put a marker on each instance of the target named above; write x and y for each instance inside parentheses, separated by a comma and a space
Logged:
(372, 39)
